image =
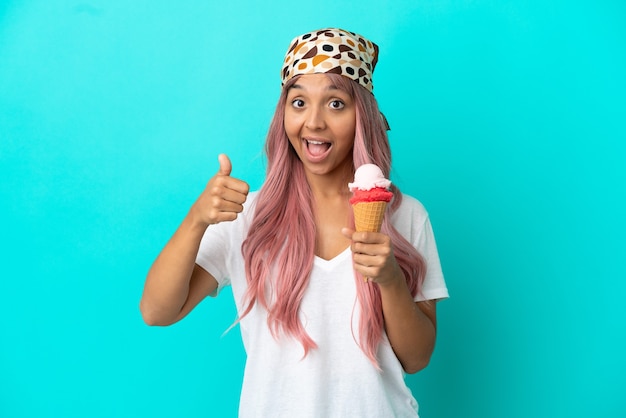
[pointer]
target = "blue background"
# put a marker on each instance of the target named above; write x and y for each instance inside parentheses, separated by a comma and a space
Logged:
(508, 123)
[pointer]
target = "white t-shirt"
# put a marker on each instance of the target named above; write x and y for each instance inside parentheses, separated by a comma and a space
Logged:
(336, 379)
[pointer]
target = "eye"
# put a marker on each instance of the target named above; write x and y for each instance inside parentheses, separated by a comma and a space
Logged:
(337, 104)
(297, 103)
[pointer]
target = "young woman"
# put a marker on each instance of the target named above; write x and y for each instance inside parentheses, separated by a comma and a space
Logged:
(320, 341)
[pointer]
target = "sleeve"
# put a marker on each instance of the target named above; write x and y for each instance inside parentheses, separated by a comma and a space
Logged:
(220, 248)
(434, 286)
(213, 253)
(412, 221)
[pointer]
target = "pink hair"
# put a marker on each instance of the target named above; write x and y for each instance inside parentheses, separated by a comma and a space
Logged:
(281, 237)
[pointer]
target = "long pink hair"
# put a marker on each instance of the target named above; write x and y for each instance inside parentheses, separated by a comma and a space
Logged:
(279, 248)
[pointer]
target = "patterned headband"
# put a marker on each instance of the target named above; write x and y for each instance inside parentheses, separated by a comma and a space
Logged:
(334, 51)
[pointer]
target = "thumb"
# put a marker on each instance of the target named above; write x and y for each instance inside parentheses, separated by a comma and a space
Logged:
(225, 165)
(347, 232)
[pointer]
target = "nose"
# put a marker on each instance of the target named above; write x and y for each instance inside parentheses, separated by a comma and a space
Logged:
(315, 118)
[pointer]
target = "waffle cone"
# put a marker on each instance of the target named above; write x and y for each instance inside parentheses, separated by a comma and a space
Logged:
(368, 216)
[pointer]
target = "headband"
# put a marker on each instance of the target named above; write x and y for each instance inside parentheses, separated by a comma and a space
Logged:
(332, 51)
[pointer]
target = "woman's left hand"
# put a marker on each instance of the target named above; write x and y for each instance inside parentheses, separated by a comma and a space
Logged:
(372, 255)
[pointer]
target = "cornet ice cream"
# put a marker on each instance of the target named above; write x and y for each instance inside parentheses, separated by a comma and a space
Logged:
(370, 196)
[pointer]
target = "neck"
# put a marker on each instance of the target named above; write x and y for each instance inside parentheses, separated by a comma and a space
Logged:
(330, 186)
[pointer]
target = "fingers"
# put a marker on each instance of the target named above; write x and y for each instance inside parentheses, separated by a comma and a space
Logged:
(220, 209)
(369, 248)
(365, 239)
(372, 254)
(368, 243)
(228, 188)
(375, 268)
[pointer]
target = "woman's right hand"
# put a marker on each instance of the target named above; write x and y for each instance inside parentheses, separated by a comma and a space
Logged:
(222, 199)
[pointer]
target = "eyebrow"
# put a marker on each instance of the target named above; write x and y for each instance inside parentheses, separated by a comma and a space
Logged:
(299, 87)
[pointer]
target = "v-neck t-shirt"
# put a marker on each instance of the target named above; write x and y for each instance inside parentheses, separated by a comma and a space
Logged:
(336, 379)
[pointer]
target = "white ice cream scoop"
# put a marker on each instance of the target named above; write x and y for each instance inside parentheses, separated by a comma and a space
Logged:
(367, 177)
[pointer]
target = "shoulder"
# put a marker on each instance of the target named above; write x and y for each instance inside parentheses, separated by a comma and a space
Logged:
(410, 217)
(410, 208)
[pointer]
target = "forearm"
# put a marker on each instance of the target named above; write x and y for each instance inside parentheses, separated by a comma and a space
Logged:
(410, 330)
(167, 283)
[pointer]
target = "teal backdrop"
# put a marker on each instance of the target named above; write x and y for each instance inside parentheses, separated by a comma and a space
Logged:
(508, 122)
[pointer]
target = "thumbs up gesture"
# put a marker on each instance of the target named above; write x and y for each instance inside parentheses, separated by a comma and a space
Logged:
(223, 197)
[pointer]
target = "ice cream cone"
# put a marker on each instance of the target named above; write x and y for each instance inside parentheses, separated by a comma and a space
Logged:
(368, 216)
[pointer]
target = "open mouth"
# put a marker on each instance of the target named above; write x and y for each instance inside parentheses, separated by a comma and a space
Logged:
(317, 148)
